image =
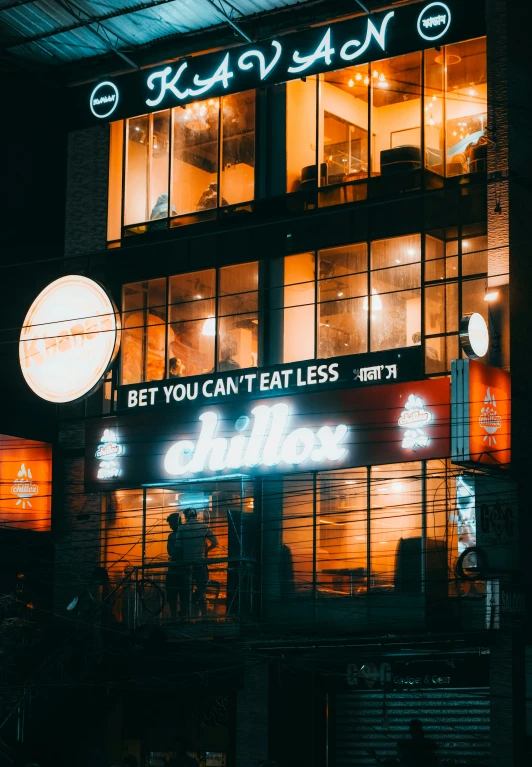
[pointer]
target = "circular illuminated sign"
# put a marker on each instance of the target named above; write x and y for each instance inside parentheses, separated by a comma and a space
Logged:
(69, 339)
(104, 99)
(474, 335)
(434, 21)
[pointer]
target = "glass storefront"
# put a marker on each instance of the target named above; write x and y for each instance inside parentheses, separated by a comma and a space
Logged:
(382, 122)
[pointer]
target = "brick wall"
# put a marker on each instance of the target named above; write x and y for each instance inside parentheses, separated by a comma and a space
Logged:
(87, 179)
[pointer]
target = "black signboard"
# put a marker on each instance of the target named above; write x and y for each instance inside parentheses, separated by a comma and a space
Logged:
(360, 370)
(289, 57)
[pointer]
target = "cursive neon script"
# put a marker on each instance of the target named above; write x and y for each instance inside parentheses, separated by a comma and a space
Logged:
(267, 443)
(179, 82)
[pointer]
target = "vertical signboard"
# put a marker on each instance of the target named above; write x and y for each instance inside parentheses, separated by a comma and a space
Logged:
(25, 484)
(480, 413)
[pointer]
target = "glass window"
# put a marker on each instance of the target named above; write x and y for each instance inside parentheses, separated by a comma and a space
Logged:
(433, 110)
(143, 332)
(342, 290)
(299, 312)
(147, 166)
(114, 197)
(238, 316)
(474, 255)
(466, 107)
(297, 544)
(395, 297)
(195, 157)
(192, 323)
(473, 292)
(396, 114)
(344, 124)
(301, 134)
(238, 148)
(395, 534)
(341, 533)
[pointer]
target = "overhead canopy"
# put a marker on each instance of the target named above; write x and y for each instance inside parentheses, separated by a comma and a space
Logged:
(100, 36)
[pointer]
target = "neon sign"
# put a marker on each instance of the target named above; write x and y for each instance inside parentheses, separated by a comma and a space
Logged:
(24, 487)
(263, 441)
(330, 47)
(413, 419)
(107, 452)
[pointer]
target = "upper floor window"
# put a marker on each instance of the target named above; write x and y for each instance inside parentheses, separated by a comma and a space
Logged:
(182, 161)
(190, 324)
(386, 119)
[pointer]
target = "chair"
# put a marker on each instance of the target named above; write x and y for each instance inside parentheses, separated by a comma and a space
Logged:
(478, 158)
(309, 177)
(400, 159)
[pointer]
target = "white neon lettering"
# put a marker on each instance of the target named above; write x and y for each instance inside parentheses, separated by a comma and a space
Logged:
(267, 444)
(323, 51)
(222, 75)
(434, 21)
(345, 53)
(243, 62)
(258, 432)
(132, 398)
(330, 440)
(204, 391)
(167, 393)
(166, 85)
(109, 99)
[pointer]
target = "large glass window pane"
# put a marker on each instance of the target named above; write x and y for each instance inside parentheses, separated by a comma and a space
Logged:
(299, 298)
(146, 188)
(301, 155)
(395, 535)
(238, 147)
(195, 157)
(474, 255)
(143, 331)
(342, 287)
(473, 292)
(395, 320)
(137, 170)
(396, 114)
(466, 107)
(341, 533)
(344, 124)
(238, 316)
(114, 197)
(433, 110)
(441, 308)
(192, 329)
(297, 545)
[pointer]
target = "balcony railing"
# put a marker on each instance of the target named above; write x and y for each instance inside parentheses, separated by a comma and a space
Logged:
(166, 593)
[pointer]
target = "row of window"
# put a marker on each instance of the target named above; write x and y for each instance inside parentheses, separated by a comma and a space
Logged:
(368, 296)
(325, 535)
(380, 120)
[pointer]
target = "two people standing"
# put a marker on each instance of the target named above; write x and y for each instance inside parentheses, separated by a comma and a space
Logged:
(188, 547)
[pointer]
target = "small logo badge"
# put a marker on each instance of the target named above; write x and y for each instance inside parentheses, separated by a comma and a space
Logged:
(24, 488)
(489, 419)
(413, 419)
(104, 99)
(434, 21)
(108, 451)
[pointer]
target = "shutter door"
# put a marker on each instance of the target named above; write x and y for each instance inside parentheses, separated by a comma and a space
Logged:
(457, 719)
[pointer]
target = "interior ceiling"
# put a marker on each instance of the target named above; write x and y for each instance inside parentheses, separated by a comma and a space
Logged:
(81, 40)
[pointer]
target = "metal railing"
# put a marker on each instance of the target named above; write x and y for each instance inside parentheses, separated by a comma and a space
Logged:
(163, 592)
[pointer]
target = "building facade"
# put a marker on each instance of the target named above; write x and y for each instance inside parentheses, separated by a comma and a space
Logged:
(316, 246)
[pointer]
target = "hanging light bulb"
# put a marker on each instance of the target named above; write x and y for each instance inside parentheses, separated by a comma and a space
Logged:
(209, 327)
(351, 83)
(358, 76)
(366, 80)
(376, 302)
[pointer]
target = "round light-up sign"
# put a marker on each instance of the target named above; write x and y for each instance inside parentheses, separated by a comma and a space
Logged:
(104, 99)
(474, 335)
(69, 339)
(434, 21)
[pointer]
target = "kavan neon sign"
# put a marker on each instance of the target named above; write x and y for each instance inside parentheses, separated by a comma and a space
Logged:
(295, 55)
(267, 443)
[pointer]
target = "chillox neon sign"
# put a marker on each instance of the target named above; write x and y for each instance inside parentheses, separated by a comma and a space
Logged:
(267, 443)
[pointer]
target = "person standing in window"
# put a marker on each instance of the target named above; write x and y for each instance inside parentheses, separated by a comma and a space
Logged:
(197, 539)
(174, 576)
